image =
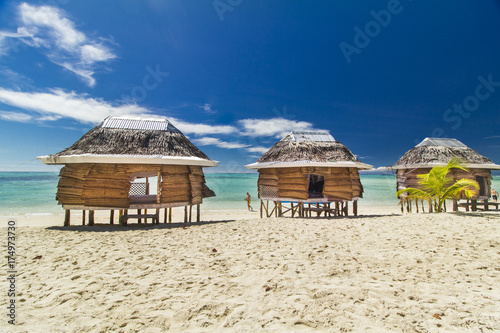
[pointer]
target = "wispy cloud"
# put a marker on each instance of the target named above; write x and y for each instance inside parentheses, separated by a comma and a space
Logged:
(49, 28)
(492, 137)
(57, 103)
(277, 127)
(15, 116)
(207, 108)
(202, 129)
(208, 141)
(261, 150)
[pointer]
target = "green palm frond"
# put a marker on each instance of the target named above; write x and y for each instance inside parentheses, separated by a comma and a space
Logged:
(436, 186)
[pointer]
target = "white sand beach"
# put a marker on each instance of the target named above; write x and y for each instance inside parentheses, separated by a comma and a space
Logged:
(375, 272)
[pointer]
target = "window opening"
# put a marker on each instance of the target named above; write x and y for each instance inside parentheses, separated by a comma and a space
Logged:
(144, 188)
(316, 184)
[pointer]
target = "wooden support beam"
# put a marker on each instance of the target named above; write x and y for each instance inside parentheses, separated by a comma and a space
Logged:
(169, 214)
(111, 217)
(185, 214)
(355, 207)
(139, 212)
(157, 216)
(486, 206)
(165, 213)
(190, 211)
(455, 205)
(261, 203)
(198, 213)
(346, 209)
(91, 217)
(67, 217)
(83, 217)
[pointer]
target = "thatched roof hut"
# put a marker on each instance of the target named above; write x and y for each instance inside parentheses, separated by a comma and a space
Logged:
(438, 152)
(309, 166)
(107, 166)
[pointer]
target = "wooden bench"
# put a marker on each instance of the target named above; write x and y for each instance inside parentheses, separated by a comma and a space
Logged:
(124, 218)
(474, 205)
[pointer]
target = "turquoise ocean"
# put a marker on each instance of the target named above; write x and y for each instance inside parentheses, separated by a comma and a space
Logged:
(34, 192)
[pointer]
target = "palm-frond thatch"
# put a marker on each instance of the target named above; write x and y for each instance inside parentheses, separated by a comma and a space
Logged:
(309, 147)
(439, 151)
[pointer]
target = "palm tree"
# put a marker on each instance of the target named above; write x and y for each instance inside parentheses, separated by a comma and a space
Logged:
(436, 186)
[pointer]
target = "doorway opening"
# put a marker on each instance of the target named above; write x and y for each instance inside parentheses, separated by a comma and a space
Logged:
(316, 184)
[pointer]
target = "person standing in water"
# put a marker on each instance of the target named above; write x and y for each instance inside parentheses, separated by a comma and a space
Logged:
(248, 200)
(494, 195)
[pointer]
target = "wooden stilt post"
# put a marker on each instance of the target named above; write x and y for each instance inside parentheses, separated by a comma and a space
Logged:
(190, 211)
(261, 204)
(139, 211)
(444, 205)
(169, 214)
(467, 206)
(347, 208)
(355, 207)
(455, 205)
(91, 217)
(430, 207)
(67, 215)
(111, 217)
(165, 215)
(198, 213)
(83, 217)
(185, 214)
(157, 216)
(485, 206)
(422, 204)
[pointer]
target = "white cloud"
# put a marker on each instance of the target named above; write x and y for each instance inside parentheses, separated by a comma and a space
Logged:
(61, 30)
(57, 103)
(261, 150)
(208, 141)
(48, 27)
(15, 116)
(207, 108)
(93, 53)
(277, 127)
(202, 129)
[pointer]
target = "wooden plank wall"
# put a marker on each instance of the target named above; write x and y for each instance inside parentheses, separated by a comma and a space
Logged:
(175, 185)
(108, 185)
(292, 183)
(340, 183)
(343, 183)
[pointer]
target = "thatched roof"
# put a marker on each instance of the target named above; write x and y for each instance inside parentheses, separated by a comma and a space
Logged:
(132, 140)
(308, 149)
(438, 151)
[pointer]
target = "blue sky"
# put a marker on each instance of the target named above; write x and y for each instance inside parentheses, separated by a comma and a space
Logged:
(237, 75)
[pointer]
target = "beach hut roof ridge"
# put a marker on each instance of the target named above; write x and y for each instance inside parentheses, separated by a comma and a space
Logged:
(439, 151)
(132, 136)
(309, 147)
